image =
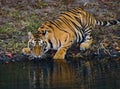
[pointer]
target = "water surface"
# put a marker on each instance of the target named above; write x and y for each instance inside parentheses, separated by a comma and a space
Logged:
(73, 74)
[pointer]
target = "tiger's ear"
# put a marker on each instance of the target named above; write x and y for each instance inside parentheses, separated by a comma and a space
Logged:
(30, 35)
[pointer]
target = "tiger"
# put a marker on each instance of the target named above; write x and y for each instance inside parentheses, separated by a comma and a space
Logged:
(73, 26)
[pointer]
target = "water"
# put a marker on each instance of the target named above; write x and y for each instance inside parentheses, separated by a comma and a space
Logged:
(73, 74)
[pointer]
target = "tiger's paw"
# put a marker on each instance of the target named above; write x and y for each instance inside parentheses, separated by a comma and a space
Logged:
(60, 54)
(57, 57)
(86, 45)
(60, 61)
(26, 51)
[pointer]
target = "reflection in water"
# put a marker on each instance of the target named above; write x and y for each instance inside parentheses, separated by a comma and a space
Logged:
(52, 75)
(74, 74)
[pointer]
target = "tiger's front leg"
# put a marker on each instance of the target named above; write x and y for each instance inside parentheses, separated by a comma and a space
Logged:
(61, 52)
(26, 51)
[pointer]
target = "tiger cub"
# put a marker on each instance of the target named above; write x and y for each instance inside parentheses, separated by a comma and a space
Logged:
(73, 26)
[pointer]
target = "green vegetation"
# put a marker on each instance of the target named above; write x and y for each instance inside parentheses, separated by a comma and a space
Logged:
(17, 25)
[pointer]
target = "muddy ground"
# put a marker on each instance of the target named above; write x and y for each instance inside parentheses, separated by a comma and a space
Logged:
(18, 17)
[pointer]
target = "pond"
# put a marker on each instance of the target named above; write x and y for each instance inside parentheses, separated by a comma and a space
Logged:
(71, 74)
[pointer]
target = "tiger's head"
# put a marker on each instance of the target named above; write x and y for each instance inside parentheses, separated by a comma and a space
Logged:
(36, 44)
(40, 42)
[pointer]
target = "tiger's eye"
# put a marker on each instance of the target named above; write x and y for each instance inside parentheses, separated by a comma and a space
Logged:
(40, 42)
(31, 45)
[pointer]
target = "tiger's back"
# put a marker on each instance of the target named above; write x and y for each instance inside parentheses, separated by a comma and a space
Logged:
(76, 22)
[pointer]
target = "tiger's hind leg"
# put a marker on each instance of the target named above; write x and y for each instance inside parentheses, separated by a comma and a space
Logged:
(86, 44)
(88, 40)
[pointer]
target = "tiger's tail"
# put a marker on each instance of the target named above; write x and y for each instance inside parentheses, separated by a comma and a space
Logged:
(107, 23)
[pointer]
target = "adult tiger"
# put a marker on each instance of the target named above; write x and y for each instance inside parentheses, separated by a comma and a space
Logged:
(70, 27)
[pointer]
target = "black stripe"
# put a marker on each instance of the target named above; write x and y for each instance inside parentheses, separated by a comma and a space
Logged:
(58, 26)
(51, 45)
(51, 25)
(66, 22)
(104, 23)
(100, 22)
(77, 27)
(118, 20)
(75, 13)
(45, 46)
(59, 43)
(68, 25)
(80, 30)
(75, 10)
(54, 23)
(97, 22)
(79, 20)
(67, 14)
(113, 22)
(85, 32)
